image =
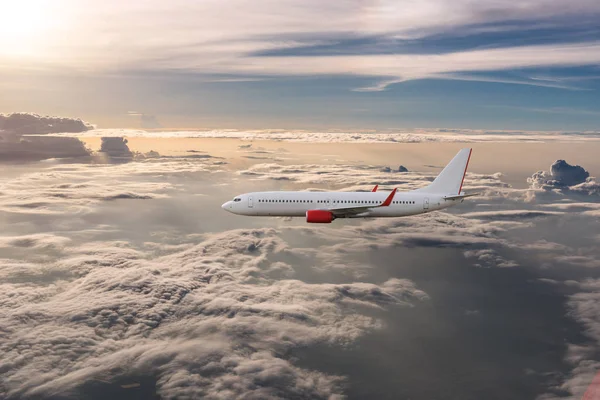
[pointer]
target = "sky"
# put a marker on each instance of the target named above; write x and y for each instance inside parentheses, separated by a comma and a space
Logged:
(306, 64)
(121, 276)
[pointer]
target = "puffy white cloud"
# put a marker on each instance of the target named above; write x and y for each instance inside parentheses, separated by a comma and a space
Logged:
(561, 174)
(565, 178)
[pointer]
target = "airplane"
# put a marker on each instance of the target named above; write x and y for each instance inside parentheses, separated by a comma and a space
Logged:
(324, 207)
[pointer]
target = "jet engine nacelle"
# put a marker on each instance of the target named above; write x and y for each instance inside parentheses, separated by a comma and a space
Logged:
(319, 217)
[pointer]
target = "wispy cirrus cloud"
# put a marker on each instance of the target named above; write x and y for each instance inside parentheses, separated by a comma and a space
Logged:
(393, 41)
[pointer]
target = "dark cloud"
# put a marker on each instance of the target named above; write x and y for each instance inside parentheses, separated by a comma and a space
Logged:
(402, 168)
(33, 124)
(16, 147)
(116, 148)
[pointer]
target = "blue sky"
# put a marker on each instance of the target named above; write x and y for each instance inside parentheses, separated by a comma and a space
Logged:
(349, 64)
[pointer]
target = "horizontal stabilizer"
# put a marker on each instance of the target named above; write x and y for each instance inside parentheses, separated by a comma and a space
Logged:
(461, 196)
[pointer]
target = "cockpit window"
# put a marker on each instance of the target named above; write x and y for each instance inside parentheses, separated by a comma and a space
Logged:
(237, 199)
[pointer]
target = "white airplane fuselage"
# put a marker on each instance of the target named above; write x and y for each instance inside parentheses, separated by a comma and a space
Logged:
(324, 207)
(297, 204)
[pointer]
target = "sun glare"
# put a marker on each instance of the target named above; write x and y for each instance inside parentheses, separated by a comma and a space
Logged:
(22, 24)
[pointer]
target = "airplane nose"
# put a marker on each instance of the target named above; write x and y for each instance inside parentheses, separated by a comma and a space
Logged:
(226, 205)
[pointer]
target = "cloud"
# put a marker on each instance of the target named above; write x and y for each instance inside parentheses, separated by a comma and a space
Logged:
(116, 148)
(16, 147)
(235, 49)
(583, 307)
(403, 136)
(561, 174)
(566, 178)
(490, 258)
(33, 124)
(510, 214)
(207, 321)
(274, 39)
(204, 315)
(75, 189)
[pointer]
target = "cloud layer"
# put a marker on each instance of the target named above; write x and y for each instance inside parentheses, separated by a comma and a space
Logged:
(209, 321)
(91, 292)
(402, 136)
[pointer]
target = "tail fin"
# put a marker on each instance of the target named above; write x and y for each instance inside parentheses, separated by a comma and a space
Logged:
(450, 180)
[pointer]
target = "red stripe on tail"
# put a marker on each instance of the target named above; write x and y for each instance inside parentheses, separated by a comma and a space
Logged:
(466, 166)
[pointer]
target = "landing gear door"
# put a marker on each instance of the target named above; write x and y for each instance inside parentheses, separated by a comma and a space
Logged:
(426, 203)
(250, 202)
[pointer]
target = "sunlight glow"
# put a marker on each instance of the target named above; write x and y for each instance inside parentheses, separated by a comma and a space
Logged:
(22, 24)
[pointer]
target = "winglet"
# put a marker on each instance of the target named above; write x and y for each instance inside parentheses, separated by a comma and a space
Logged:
(375, 188)
(388, 201)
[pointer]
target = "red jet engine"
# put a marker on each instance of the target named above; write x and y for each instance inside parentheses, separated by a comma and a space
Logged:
(319, 216)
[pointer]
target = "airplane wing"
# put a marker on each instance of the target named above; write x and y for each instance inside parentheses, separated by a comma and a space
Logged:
(460, 196)
(361, 209)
